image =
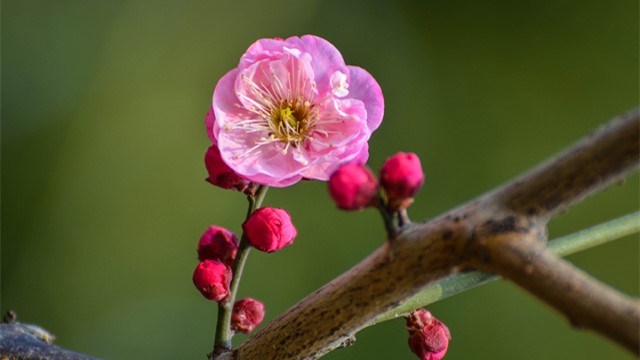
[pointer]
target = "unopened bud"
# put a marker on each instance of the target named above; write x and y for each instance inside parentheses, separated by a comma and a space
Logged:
(218, 243)
(353, 187)
(269, 229)
(220, 174)
(247, 314)
(428, 336)
(212, 278)
(401, 177)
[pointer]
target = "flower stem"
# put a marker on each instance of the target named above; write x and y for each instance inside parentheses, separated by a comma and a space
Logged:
(388, 217)
(224, 334)
(562, 246)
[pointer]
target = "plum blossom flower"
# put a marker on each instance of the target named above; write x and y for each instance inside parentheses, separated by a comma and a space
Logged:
(293, 109)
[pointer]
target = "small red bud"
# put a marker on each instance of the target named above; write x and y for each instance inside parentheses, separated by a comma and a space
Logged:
(269, 229)
(247, 314)
(220, 174)
(353, 187)
(401, 177)
(428, 336)
(218, 243)
(212, 278)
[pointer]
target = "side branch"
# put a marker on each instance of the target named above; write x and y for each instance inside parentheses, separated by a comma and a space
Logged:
(482, 234)
(587, 303)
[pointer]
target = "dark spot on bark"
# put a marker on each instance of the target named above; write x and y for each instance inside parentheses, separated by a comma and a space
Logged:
(486, 256)
(507, 224)
(447, 235)
(333, 330)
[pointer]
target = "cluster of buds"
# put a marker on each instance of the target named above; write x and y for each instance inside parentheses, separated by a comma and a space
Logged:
(267, 229)
(428, 336)
(354, 187)
(217, 250)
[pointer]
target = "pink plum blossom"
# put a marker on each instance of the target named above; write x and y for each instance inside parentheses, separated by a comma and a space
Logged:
(293, 109)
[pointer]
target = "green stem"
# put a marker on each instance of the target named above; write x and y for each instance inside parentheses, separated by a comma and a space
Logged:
(387, 217)
(562, 246)
(224, 334)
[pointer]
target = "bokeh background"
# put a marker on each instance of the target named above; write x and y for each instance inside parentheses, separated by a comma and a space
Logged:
(103, 192)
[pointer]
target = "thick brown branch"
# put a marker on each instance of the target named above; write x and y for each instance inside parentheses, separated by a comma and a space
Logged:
(467, 238)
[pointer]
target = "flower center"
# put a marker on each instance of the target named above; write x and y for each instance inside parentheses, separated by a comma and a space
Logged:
(291, 121)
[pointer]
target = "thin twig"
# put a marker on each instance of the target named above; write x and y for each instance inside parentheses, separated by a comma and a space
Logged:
(224, 334)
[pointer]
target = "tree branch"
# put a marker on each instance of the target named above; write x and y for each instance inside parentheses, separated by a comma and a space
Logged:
(503, 232)
(562, 246)
(23, 341)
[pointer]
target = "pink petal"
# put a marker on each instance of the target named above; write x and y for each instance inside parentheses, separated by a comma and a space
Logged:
(265, 165)
(362, 156)
(225, 103)
(340, 122)
(209, 121)
(326, 59)
(261, 50)
(364, 87)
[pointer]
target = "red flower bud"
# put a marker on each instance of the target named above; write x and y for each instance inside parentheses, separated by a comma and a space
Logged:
(220, 174)
(401, 177)
(269, 229)
(247, 314)
(428, 336)
(212, 278)
(353, 187)
(218, 244)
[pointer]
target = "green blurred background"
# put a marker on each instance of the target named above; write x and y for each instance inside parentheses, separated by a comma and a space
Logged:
(103, 192)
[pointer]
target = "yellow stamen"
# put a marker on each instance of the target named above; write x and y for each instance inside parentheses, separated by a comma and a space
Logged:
(287, 115)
